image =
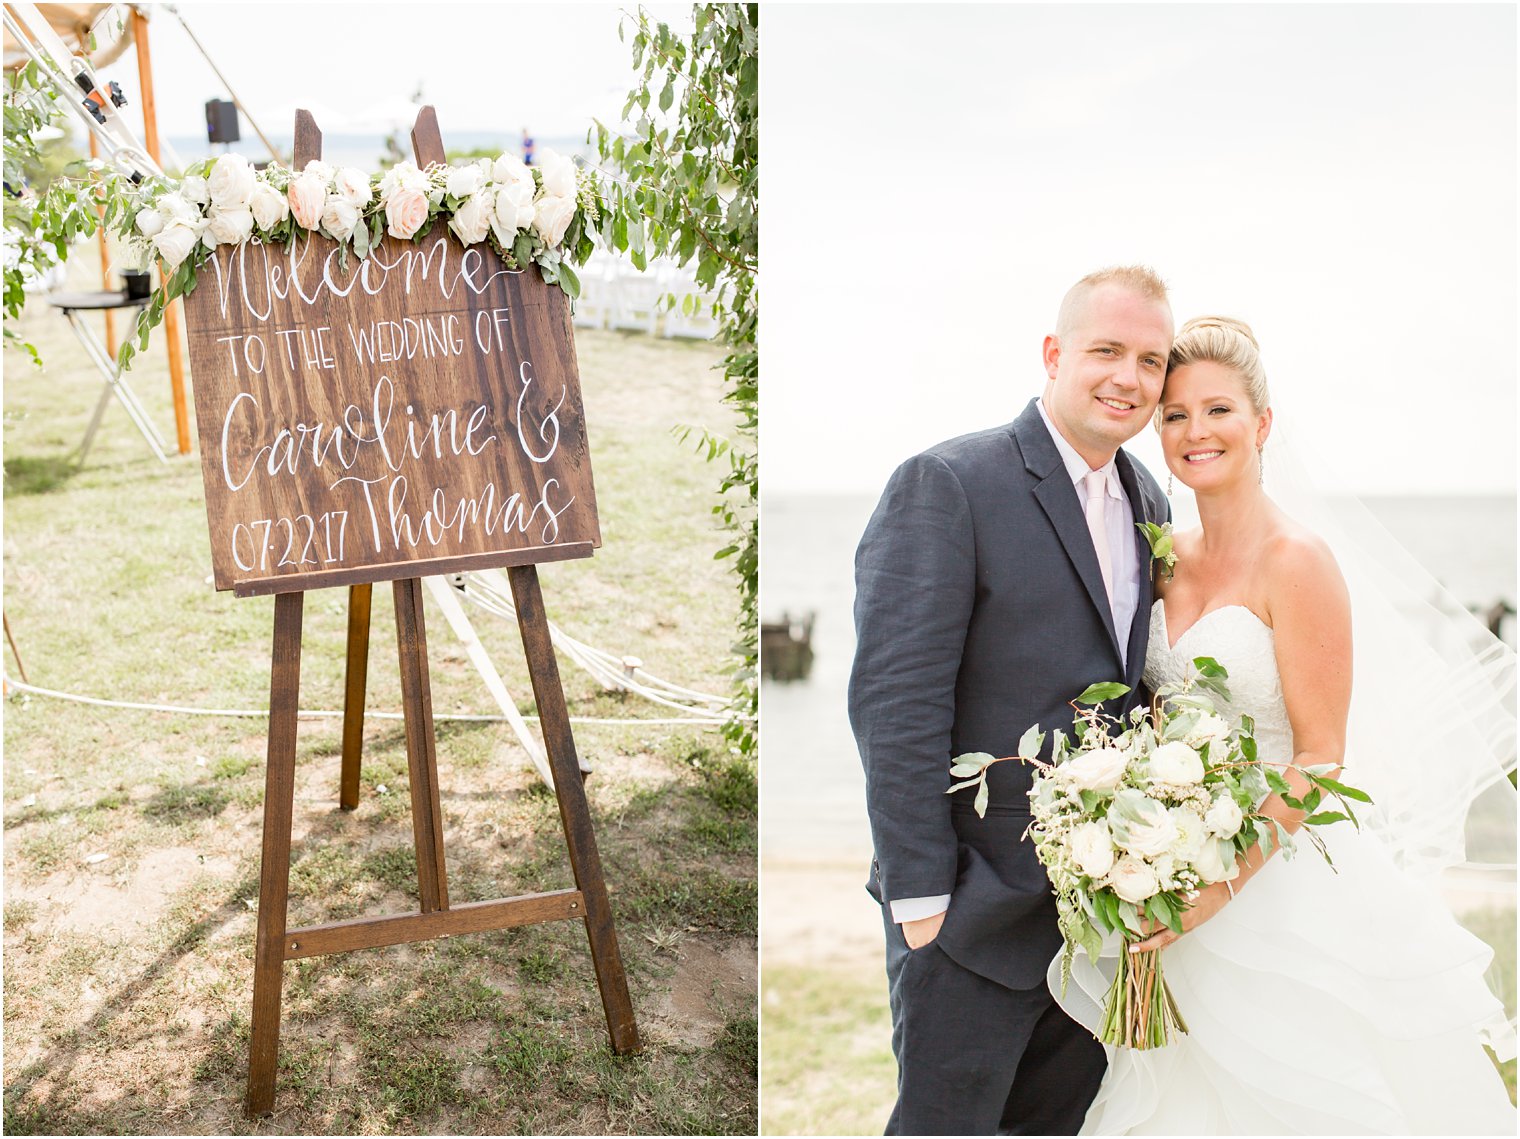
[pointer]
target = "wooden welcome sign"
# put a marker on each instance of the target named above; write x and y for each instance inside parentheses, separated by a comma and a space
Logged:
(417, 412)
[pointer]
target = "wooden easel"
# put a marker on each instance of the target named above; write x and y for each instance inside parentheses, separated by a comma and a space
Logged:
(436, 918)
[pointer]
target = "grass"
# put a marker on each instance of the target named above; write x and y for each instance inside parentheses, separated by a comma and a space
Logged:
(128, 978)
(828, 1051)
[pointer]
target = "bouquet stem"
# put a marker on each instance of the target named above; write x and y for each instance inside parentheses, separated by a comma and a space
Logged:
(1140, 1011)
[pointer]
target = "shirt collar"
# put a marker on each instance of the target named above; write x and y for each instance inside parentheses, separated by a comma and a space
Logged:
(1076, 465)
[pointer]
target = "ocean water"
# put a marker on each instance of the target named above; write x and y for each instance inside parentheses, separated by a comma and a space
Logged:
(813, 793)
(364, 151)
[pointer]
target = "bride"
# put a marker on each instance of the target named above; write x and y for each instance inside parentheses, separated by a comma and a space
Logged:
(1319, 1000)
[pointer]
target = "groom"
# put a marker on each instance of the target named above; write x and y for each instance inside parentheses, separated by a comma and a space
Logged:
(1001, 574)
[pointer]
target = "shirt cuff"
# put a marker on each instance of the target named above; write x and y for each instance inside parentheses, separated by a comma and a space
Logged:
(916, 909)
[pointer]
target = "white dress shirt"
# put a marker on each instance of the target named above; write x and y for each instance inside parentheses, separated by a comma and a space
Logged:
(1120, 521)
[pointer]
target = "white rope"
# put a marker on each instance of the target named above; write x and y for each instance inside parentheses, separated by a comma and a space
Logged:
(323, 714)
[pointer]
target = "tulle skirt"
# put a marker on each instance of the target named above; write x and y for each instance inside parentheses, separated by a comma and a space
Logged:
(1317, 1003)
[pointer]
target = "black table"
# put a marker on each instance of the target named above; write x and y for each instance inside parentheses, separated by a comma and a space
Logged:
(72, 305)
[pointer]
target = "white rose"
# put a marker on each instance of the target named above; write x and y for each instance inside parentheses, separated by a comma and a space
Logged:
(1224, 817)
(176, 207)
(1176, 763)
(402, 176)
(1191, 833)
(558, 174)
(194, 188)
(1216, 862)
(229, 227)
(1132, 880)
(1098, 770)
(319, 169)
(511, 211)
(308, 198)
(1092, 848)
(353, 187)
(176, 241)
(465, 180)
(268, 205)
(231, 182)
(1211, 730)
(551, 217)
(1141, 825)
(472, 220)
(339, 218)
(149, 222)
(510, 170)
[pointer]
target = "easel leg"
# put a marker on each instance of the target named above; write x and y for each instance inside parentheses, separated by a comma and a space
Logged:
(274, 869)
(421, 746)
(353, 693)
(574, 814)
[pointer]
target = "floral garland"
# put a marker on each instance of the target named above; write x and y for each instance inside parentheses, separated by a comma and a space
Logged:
(543, 214)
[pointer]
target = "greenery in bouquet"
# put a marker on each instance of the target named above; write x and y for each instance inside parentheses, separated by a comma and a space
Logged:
(1131, 817)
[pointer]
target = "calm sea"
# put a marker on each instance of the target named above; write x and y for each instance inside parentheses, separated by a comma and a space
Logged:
(364, 151)
(813, 792)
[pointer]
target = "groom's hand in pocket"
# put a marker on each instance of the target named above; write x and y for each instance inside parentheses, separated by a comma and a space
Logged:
(921, 932)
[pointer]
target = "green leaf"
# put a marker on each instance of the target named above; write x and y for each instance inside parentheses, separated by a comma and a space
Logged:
(1106, 690)
(1276, 781)
(1324, 817)
(1031, 742)
(1342, 789)
(1208, 666)
(981, 801)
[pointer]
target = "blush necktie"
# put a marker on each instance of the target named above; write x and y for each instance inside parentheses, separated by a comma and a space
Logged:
(1097, 525)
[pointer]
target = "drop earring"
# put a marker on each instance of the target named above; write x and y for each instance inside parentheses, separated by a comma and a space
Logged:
(1261, 467)
(1169, 484)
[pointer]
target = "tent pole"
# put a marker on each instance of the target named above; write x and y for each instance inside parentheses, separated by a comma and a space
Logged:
(172, 310)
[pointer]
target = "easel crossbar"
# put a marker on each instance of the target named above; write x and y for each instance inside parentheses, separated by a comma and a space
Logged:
(397, 929)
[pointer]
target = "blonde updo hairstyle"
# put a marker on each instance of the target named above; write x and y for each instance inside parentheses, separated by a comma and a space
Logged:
(1228, 342)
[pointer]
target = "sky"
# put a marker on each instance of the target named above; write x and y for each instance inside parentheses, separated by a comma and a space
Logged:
(493, 66)
(1341, 177)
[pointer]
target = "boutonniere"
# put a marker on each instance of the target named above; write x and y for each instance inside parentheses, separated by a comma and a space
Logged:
(1160, 539)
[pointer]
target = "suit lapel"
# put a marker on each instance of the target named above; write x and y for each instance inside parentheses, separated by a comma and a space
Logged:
(1144, 511)
(1057, 496)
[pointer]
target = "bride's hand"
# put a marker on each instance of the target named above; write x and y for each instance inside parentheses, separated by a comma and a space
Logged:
(1210, 900)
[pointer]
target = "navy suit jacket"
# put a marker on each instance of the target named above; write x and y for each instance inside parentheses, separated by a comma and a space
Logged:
(979, 611)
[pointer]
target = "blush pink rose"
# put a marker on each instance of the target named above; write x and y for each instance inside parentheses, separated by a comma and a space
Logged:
(405, 212)
(308, 198)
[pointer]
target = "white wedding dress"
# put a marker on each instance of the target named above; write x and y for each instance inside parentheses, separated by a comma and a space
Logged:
(1317, 1002)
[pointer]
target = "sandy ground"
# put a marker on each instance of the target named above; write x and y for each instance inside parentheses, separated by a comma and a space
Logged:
(818, 914)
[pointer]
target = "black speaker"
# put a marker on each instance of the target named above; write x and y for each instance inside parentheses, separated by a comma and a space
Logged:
(221, 120)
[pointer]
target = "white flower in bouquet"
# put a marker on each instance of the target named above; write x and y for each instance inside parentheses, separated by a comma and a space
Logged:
(1133, 880)
(149, 222)
(1225, 817)
(509, 170)
(1211, 730)
(558, 174)
(319, 169)
(465, 180)
(176, 241)
(1097, 770)
(308, 198)
(1175, 763)
(194, 188)
(511, 211)
(406, 210)
(231, 182)
(268, 205)
(176, 207)
(1216, 862)
(339, 217)
(551, 217)
(1191, 833)
(1092, 848)
(402, 176)
(230, 226)
(1140, 824)
(353, 187)
(472, 220)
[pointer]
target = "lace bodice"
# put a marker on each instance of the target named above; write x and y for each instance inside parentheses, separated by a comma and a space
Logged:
(1244, 645)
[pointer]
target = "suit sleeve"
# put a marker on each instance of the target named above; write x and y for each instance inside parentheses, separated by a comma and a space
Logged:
(915, 582)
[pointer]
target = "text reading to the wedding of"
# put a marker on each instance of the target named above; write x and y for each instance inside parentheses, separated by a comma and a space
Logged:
(422, 405)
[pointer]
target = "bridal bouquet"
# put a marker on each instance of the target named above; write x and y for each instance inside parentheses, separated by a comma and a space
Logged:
(1131, 818)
